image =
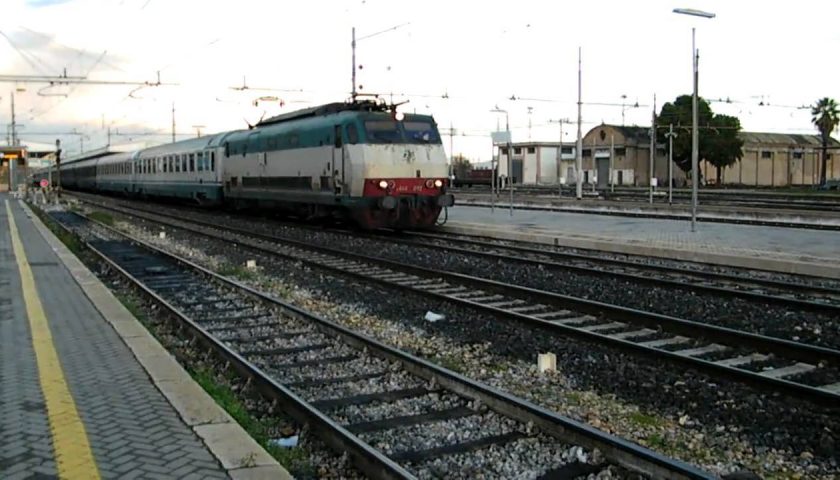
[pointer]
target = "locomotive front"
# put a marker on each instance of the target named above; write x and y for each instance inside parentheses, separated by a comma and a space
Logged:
(403, 174)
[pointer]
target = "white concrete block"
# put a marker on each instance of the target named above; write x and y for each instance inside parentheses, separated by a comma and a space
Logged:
(251, 264)
(547, 362)
(162, 235)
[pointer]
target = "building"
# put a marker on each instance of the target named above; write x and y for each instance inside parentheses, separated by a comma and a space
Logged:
(778, 160)
(624, 151)
(622, 154)
(16, 160)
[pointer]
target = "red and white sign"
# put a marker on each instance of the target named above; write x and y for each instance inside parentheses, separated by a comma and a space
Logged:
(45, 183)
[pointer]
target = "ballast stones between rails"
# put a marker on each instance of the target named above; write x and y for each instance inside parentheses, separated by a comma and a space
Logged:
(415, 423)
(806, 379)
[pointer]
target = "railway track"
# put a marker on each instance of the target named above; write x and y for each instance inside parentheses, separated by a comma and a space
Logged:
(801, 370)
(809, 297)
(395, 415)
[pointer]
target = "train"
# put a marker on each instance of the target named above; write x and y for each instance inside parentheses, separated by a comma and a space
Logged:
(359, 160)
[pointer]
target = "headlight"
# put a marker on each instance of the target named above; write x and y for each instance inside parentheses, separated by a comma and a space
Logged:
(430, 183)
(383, 184)
(438, 183)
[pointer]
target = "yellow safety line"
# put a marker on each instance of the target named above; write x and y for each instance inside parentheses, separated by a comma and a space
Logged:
(73, 457)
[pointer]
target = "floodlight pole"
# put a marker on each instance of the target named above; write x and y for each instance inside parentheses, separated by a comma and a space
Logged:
(695, 139)
(579, 146)
(695, 136)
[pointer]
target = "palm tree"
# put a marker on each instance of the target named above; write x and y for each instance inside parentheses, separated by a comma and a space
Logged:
(825, 117)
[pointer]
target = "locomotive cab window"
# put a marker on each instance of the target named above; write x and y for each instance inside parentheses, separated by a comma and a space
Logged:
(382, 131)
(420, 132)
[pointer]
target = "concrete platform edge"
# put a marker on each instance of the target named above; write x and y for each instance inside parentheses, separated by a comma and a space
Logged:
(239, 454)
(770, 264)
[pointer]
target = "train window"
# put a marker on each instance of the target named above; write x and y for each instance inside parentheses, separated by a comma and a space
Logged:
(199, 162)
(294, 140)
(212, 161)
(352, 134)
(382, 131)
(421, 132)
(192, 164)
(227, 149)
(183, 164)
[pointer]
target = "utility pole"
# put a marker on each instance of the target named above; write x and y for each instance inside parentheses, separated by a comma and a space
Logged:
(612, 154)
(14, 141)
(109, 137)
(671, 136)
(652, 147)
(58, 166)
(353, 76)
(173, 122)
(560, 153)
(579, 146)
(530, 110)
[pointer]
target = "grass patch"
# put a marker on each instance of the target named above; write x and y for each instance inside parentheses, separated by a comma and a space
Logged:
(294, 459)
(644, 420)
(237, 271)
(69, 240)
(102, 217)
(655, 440)
(451, 362)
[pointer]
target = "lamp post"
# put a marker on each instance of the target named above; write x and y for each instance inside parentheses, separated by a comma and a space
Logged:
(509, 155)
(695, 139)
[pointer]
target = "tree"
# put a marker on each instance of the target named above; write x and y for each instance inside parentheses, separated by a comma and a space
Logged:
(460, 166)
(678, 113)
(719, 143)
(825, 117)
(724, 146)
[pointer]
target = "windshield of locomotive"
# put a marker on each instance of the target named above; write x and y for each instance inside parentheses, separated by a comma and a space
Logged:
(420, 132)
(391, 131)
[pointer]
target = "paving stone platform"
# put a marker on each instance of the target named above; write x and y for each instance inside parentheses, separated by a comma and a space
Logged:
(123, 383)
(791, 250)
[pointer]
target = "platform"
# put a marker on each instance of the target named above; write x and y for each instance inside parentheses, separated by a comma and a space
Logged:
(790, 250)
(86, 392)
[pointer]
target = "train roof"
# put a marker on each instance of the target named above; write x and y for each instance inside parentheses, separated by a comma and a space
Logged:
(183, 146)
(327, 109)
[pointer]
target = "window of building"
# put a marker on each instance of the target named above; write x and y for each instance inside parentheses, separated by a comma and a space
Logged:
(797, 154)
(587, 153)
(517, 150)
(766, 154)
(503, 151)
(620, 152)
(532, 149)
(566, 150)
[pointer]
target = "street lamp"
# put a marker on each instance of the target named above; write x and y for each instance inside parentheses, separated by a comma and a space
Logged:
(509, 155)
(695, 139)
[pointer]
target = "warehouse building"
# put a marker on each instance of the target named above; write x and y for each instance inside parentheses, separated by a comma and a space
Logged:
(622, 154)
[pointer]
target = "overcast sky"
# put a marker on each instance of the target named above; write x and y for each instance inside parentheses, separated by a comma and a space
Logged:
(479, 54)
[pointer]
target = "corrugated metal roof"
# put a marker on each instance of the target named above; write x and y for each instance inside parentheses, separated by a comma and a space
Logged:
(785, 139)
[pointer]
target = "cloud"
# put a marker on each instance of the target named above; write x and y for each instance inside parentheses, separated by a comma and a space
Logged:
(44, 3)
